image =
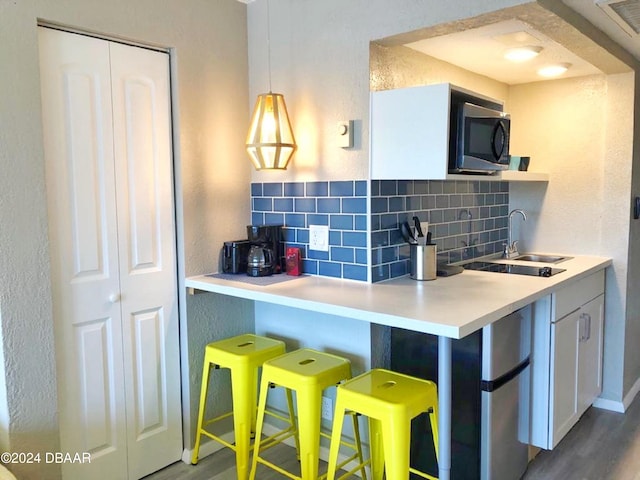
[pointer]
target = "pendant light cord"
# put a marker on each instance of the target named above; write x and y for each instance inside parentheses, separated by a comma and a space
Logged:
(269, 43)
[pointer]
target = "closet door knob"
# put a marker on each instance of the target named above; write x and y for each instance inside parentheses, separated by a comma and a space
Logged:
(114, 297)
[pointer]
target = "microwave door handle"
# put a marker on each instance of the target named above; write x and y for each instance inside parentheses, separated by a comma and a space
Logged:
(497, 154)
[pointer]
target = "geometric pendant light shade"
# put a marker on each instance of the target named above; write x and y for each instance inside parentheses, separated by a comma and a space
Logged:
(270, 141)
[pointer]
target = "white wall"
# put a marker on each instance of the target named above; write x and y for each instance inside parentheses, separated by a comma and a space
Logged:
(4, 407)
(400, 67)
(632, 334)
(341, 336)
(209, 47)
(561, 125)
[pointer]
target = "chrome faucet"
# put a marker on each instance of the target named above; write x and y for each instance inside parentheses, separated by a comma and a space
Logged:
(511, 247)
(469, 246)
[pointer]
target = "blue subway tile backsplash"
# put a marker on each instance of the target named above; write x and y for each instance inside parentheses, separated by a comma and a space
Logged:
(342, 205)
(293, 189)
(317, 189)
(467, 219)
(341, 189)
(329, 205)
(283, 204)
(261, 204)
(272, 189)
(307, 205)
(341, 222)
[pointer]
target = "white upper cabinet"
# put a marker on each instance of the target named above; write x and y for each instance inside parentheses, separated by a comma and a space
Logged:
(410, 133)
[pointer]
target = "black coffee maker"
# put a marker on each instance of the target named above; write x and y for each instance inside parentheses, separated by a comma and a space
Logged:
(269, 237)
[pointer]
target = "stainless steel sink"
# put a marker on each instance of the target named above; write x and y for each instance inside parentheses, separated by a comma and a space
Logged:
(532, 257)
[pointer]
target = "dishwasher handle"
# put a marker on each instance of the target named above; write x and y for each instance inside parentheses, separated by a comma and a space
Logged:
(492, 385)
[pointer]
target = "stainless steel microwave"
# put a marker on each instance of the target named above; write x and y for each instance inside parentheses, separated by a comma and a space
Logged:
(479, 139)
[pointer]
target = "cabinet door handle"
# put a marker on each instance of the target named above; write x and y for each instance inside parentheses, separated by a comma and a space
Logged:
(588, 326)
(583, 327)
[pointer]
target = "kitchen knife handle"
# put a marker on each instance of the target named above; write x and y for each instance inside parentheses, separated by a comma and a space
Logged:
(416, 222)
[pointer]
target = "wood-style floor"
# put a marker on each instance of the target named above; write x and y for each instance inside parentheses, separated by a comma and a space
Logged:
(221, 466)
(602, 446)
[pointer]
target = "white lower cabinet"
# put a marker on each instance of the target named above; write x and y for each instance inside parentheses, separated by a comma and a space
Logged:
(564, 376)
(591, 332)
(566, 358)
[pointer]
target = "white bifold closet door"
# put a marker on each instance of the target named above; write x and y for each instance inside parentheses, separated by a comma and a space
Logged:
(109, 174)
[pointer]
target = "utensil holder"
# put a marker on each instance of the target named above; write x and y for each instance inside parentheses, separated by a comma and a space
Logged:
(423, 261)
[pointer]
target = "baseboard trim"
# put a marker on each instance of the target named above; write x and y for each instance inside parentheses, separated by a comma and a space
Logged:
(616, 405)
(206, 448)
(611, 405)
(631, 394)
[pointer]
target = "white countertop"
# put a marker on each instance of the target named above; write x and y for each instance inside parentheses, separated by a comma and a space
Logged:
(449, 306)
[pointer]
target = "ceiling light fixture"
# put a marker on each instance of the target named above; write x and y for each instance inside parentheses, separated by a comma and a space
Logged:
(554, 70)
(522, 54)
(270, 142)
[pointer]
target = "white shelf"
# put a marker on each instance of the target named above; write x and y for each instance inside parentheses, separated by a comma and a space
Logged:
(517, 176)
(503, 176)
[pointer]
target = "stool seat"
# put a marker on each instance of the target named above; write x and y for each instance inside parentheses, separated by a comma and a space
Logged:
(248, 349)
(390, 400)
(383, 392)
(242, 355)
(308, 367)
(307, 372)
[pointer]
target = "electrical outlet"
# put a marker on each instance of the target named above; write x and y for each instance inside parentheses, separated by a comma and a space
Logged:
(319, 238)
(327, 408)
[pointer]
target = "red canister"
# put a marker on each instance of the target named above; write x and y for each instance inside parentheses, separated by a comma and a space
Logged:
(294, 266)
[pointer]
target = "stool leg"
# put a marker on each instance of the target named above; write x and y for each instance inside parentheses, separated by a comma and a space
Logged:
(376, 449)
(262, 404)
(433, 417)
(243, 393)
(396, 437)
(336, 435)
(204, 388)
(309, 406)
(356, 435)
(292, 420)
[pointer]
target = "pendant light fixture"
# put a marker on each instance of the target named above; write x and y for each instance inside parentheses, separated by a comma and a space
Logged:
(270, 141)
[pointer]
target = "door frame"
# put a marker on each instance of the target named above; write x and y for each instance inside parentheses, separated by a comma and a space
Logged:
(177, 192)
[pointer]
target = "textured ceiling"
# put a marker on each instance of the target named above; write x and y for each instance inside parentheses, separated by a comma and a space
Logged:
(471, 44)
(481, 50)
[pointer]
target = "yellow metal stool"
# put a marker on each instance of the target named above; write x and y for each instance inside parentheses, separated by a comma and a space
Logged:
(242, 355)
(390, 400)
(307, 372)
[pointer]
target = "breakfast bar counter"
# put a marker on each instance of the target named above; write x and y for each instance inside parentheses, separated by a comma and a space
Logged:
(449, 307)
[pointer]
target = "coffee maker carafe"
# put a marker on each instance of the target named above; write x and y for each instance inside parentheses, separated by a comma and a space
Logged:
(260, 261)
(270, 237)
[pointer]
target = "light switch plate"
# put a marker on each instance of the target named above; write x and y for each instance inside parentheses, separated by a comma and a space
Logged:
(345, 133)
(319, 238)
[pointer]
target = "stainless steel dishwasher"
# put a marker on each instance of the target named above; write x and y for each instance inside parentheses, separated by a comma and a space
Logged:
(490, 397)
